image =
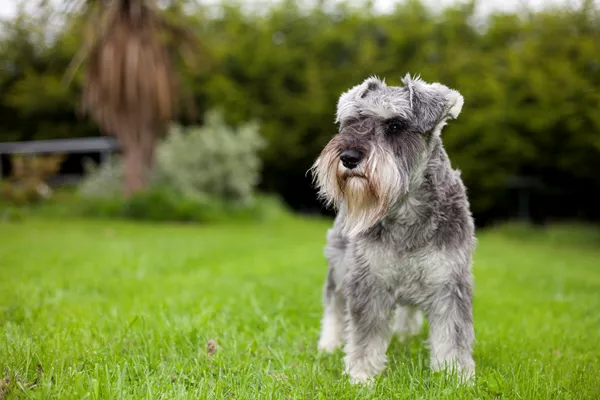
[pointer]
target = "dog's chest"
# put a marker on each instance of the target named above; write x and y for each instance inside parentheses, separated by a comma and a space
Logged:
(412, 274)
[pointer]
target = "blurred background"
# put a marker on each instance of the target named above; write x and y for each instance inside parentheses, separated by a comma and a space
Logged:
(200, 110)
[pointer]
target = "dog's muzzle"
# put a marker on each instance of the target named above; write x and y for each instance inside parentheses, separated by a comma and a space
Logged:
(351, 158)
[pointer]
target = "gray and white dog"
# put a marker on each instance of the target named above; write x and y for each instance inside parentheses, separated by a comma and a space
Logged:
(402, 241)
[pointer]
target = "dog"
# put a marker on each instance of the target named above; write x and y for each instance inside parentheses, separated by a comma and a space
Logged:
(402, 240)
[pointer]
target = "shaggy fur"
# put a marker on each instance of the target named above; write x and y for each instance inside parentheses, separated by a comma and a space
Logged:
(402, 241)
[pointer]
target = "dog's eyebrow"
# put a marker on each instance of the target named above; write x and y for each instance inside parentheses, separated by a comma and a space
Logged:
(348, 121)
(396, 119)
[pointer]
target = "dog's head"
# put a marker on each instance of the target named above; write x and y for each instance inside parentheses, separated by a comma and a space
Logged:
(383, 144)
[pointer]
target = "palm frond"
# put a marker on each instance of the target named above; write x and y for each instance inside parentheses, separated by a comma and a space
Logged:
(130, 79)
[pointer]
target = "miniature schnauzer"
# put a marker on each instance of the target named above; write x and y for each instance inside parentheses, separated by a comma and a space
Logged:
(402, 241)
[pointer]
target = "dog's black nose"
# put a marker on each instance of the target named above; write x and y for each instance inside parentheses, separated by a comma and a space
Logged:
(351, 158)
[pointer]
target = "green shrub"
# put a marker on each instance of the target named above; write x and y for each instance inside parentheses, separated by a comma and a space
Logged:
(214, 161)
(161, 205)
(202, 174)
(105, 180)
(11, 213)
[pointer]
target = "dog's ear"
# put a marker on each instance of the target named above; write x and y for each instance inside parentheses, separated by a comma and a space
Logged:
(454, 103)
(432, 104)
(349, 101)
(371, 84)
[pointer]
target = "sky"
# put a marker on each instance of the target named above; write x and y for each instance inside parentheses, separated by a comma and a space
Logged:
(8, 7)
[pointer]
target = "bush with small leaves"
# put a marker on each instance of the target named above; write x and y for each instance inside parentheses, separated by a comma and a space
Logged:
(211, 162)
(102, 181)
(202, 174)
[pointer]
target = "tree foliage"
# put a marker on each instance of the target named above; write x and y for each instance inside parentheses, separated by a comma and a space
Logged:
(531, 84)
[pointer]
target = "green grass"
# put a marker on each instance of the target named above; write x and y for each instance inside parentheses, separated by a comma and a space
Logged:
(117, 310)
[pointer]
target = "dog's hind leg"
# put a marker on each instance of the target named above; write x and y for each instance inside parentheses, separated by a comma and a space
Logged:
(408, 322)
(332, 324)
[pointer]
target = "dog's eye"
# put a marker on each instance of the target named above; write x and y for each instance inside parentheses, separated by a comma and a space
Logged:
(395, 126)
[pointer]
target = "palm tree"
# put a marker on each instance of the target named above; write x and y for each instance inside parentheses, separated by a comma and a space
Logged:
(131, 85)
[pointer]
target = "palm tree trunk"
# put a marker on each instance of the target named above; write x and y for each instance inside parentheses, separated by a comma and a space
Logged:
(134, 171)
(139, 158)
(149, 139)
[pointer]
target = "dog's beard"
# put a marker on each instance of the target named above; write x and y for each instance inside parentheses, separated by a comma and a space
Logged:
(362, 195)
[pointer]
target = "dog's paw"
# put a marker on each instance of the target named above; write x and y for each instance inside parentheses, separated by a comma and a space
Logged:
(404, 336)
(466, 376)
(464, 373)
(328, 345)
(358, 376)
(361, 379)
(330, 340)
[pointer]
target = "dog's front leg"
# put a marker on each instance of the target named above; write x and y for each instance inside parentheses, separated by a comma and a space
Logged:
(369, 307)
(451, 330)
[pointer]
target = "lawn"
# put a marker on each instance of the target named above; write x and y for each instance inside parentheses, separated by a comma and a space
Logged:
(116, 310)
